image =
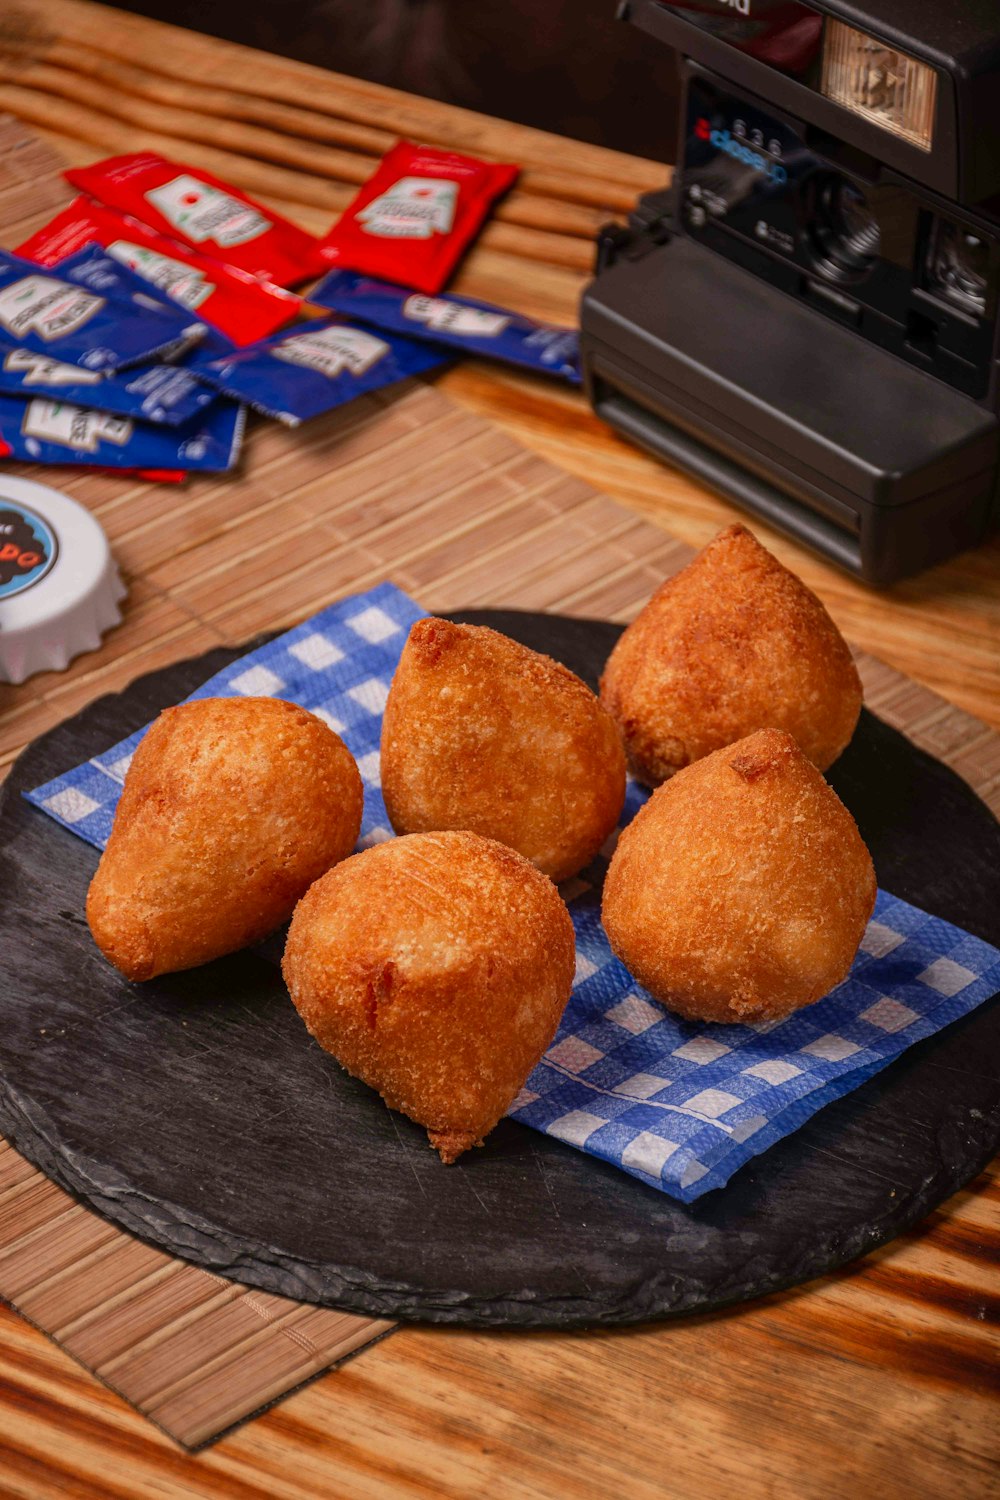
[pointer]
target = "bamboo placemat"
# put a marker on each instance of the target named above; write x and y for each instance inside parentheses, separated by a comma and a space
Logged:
(405, 487)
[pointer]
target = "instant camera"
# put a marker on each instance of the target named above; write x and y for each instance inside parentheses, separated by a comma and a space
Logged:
(807, 319)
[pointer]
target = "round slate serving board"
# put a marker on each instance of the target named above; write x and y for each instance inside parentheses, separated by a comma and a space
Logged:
(196, 1112)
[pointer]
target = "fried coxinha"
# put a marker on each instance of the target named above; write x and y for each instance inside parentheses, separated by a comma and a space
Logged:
(435, 967)
(231, 808)
(742, 889)
(733, 643)
(485, 734)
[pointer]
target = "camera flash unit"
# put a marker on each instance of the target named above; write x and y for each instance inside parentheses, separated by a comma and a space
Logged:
(879, 82)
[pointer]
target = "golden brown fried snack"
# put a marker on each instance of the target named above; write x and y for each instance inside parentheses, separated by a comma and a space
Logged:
(731, 644)
(741, 891)
(434, 967)
(231, 808)
(484, 734)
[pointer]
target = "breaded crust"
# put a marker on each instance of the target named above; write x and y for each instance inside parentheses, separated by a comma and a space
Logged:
(731, 644)
(742, 889)
(435, 967)
(231, 808)
(484, 734)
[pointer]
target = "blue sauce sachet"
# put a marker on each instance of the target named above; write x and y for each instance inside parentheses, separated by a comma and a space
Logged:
(49, 314)
(99, 271)
(313, 368)
(456, 322)
(150, 393)
(55, 432)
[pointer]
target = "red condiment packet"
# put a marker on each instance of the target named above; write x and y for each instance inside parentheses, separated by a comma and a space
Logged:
(414, 219)
(203, 212)
(158, 476)
(232, 301)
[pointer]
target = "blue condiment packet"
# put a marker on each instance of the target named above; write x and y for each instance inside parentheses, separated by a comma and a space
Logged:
(96, 269)
(57, 432)
(680, 1105)
(312, 368)
(150, 393)
(456, 322)
(52, 315)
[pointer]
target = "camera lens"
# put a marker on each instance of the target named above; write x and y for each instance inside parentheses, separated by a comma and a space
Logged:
(958, 266)
(841, 228)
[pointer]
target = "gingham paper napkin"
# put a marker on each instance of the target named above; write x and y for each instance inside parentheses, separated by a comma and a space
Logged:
(679, 1105)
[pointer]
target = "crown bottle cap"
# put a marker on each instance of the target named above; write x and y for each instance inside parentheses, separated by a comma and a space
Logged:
(59, 586)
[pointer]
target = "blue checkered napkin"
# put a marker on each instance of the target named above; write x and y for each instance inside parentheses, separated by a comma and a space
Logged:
(679, 1105)
(683, 1105)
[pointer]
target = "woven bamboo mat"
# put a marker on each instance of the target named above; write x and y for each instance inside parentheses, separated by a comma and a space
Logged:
(405, 487)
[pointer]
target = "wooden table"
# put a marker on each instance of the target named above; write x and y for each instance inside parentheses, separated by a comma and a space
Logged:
(874, 1380)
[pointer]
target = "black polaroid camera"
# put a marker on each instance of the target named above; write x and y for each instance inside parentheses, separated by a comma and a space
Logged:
(807, 319)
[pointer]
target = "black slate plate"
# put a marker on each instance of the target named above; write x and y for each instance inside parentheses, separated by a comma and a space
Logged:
(196, 1112)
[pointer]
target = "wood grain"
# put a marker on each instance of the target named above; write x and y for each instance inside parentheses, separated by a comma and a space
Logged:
(877, 1381)
(194, 1352)
(881, 1379)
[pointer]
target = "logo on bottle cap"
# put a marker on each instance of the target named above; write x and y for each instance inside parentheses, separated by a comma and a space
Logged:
(28, 548)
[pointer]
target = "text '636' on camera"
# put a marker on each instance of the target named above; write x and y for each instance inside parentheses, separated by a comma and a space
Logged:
(807, 319)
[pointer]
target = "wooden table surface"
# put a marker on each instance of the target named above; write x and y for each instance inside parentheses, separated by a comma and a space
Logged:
(881, 1379)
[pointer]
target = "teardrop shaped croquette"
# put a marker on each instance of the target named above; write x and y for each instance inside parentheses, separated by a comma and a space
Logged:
(483, 733)
(733, 643)
(435, 967)
(231, 808)
(741, 891)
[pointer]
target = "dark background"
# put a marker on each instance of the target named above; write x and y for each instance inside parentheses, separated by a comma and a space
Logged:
(562, 65)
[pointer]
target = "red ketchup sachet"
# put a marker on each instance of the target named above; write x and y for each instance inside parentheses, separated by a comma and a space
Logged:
(156, 476)
(203, 212)
(415, 217)
(234, 302)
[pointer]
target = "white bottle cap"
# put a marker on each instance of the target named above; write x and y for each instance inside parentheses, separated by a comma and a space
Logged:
(59, 586)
